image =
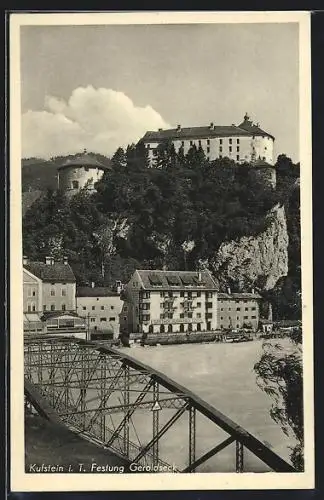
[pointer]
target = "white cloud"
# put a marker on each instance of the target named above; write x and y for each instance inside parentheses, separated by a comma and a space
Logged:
(99, 120)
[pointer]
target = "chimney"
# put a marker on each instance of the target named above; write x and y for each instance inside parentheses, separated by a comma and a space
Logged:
(48, 260)
(92, 284)
(65, 260)
(211, 126)
(25, 260)
(160, 129)
(228, 290)
(179, 128)
(118, 286)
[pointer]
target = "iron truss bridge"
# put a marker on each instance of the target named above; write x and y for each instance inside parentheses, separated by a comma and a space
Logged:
(137, 412)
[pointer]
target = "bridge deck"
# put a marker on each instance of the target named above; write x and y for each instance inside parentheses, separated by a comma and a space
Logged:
(49, 443)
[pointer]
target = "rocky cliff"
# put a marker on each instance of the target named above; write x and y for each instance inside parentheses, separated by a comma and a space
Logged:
(257, 261)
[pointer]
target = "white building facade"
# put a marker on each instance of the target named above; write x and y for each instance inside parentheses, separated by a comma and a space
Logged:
(170, 302)
(246, 142)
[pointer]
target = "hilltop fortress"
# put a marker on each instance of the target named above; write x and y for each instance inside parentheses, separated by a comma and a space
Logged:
(243, 143)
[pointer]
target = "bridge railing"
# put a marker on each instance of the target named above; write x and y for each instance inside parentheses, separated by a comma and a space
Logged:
(122, 404)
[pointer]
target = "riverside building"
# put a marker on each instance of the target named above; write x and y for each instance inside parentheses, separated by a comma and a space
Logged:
(238, 310)
(170, 302)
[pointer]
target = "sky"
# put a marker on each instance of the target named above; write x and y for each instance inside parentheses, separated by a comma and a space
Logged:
(101, 87)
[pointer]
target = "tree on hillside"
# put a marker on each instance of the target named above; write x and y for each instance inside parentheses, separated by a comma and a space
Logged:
(280, 375)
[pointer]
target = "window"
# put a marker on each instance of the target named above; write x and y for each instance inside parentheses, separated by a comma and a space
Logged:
(63, 292)
(28, 308)
(222, 326)
(209, 295)
(209, 315)
(220, 157)
(103, 319)
(92, 320)
(198, 304)
(253, 317)
(238, 308)
(84, 308)
(198, 315)
(181, 315)
(189, 314)
(162, 294)
(44, 307)
(199, 142)
(52, 307)
(253, 308)
(63, 307)
(102, 308)
(263, 158)
(238, 149)
(246, 308)
(198, 294)
(230, 141)
(237, 157)
(33, 307)
(237, 317)
(112, 318)
(112, 307)
(229, 308)
(237, 141)
(208, 142)
(93, 308)
(220, 141)
(220, 149)
(208, 149)
(209, 305)
(53, 293)
(75, 184)
(221, 317)
(230, 149)
(125, 318)
(237, 326)
(170, 315)
(161, 316)
(34, 293)
(246, 317)
(145, 295)
(191, 143)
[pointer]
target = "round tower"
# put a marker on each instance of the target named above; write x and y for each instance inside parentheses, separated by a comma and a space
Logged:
(80, 172)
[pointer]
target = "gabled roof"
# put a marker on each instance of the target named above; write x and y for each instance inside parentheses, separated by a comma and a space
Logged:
(98, 291)
(194, 133)
(83, 160)
(238, 296)
(176, 280)
(253, 129)
(56, 273)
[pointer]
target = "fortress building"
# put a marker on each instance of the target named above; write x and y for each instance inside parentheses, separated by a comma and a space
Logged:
(80, 172)
(245, 142)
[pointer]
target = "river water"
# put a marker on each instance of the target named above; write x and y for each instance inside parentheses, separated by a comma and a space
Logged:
(222, 374)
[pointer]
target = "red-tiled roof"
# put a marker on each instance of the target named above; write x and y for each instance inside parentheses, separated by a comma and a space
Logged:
(56, 273)
(165, 280)
(98, 291)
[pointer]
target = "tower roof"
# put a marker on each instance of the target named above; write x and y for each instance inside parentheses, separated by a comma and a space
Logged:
(83, 160)
(251, 128)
